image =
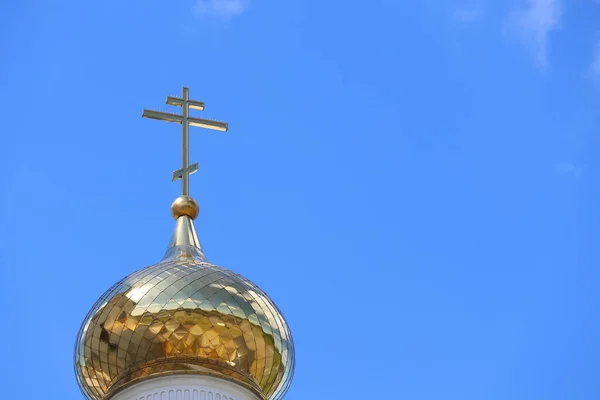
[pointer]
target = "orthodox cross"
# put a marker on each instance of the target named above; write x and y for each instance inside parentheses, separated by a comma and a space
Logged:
(186, 121)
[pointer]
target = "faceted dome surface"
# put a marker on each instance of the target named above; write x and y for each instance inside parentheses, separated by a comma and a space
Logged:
(184, 316)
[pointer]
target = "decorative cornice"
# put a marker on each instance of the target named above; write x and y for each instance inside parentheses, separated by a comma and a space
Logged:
(192, 393)
(181, 387)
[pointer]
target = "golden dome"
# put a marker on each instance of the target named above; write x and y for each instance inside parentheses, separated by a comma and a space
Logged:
(184, 315)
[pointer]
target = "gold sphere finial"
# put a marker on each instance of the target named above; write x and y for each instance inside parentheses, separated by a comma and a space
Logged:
(185, 206)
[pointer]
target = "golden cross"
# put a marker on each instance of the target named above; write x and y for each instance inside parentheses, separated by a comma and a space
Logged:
(186, 121)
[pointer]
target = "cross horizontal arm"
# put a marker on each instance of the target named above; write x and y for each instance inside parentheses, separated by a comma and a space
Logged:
(198, 122)
(163, 116)
(207, 123)
(193, 104)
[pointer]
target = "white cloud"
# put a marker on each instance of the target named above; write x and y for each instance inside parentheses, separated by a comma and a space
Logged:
(533, 25)
(567, 168)
(223, 8)
(463, 14)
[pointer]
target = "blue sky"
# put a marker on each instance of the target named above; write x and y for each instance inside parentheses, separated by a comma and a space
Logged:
(415, 184)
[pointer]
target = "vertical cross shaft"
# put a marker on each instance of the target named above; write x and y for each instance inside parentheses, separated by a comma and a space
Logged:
(186, 121)
(185, 139)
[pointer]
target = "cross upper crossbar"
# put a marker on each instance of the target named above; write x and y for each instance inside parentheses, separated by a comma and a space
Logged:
(193, 104)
